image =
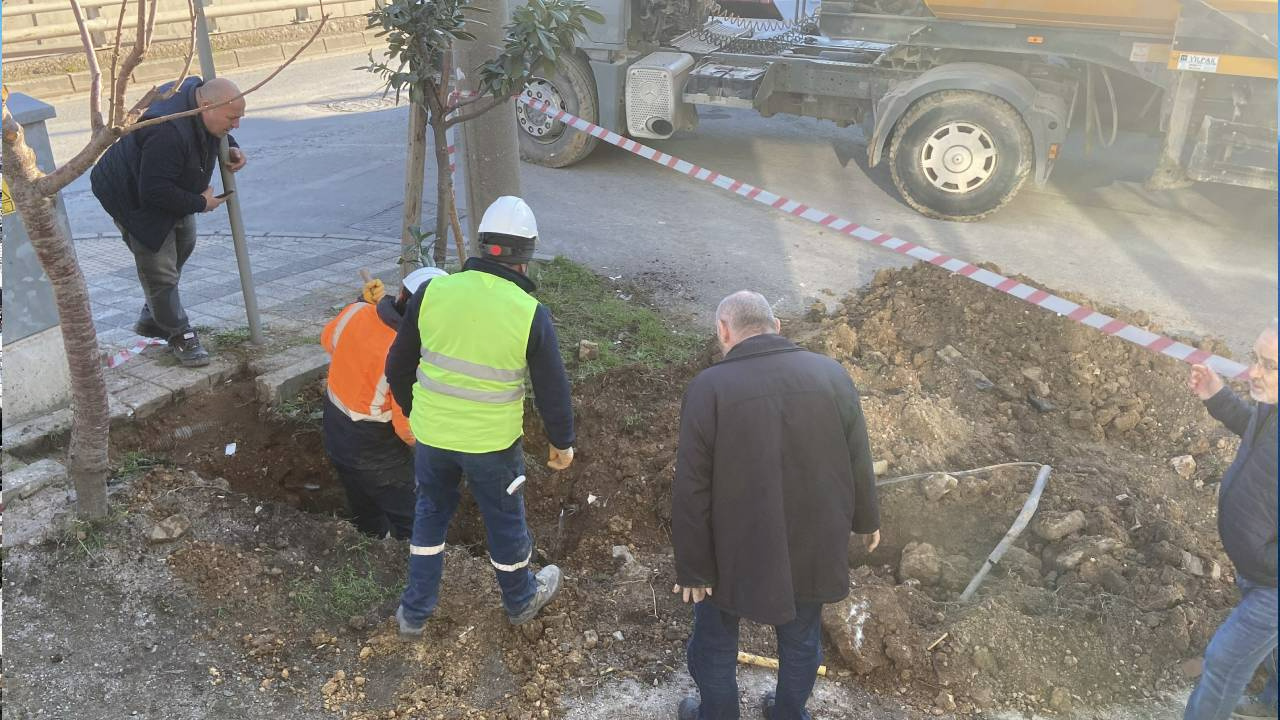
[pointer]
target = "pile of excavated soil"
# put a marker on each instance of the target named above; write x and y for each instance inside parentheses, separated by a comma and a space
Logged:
(1120, 577)
(1118, 581)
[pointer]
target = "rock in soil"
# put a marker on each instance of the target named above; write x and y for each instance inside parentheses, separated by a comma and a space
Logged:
(1055, 526)
(937, 485)
(920, 561)
(169, 529)
(1184, 465)
(861, 624)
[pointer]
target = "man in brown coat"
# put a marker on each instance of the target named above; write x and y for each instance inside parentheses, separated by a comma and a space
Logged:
(773, 473)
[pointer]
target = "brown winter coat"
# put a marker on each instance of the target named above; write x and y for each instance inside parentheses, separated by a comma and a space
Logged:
(772, 474)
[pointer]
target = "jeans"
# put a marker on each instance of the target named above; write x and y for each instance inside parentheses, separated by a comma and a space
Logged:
(159, 272)
(380, 500)
(1246, 640)
(713, 661)
(439, 472)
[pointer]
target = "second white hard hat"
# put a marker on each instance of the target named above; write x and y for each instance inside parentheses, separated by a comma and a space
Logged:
(416, 279)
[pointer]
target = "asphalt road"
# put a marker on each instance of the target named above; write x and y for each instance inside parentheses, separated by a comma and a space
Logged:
(327, 155)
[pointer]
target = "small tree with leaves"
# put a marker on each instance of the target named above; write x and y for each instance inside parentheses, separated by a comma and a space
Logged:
(420, 36)
(33, 195)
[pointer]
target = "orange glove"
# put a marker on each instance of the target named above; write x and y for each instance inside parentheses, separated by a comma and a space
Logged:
(373, 291)
(560, 459)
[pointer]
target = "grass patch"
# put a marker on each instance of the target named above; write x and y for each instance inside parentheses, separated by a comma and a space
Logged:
(136, 462)
(350, 590)
(626, 332)
(229, 338)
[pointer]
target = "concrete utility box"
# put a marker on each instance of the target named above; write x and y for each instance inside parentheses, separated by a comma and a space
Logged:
(35, 362)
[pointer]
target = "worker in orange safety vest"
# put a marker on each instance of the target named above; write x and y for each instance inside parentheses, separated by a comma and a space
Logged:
(366, 436)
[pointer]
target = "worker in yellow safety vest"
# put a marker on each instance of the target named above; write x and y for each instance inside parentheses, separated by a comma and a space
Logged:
(457, 368)
(367, 438)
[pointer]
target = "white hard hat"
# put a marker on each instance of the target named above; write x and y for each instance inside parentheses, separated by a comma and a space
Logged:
(416, 279)
(509, 215)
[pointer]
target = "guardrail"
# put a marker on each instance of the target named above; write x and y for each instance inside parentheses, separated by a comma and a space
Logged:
(102, 24)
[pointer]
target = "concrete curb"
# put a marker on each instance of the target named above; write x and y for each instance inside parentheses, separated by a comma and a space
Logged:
(65, 85)
(278, 378)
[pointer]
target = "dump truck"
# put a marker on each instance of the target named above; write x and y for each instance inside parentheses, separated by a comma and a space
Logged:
(964, 100)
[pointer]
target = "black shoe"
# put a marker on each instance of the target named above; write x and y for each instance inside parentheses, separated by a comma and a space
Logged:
(149, 328)
(766, 704)
(186, 347)
(687, 709)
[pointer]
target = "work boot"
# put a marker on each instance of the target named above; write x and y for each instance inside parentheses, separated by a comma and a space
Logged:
(1250, 709)
(186, 347)
(148, 328)
(687, 709)
(548, 579)
(407, 629)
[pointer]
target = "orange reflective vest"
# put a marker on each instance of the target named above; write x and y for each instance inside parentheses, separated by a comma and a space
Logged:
(357, 342)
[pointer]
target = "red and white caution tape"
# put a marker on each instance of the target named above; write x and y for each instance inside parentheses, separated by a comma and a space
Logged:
(1040, 298)
(122, 356)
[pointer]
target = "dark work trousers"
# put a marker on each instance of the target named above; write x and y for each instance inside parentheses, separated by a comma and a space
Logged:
(382, 500)
(713, 661)
(159, 273)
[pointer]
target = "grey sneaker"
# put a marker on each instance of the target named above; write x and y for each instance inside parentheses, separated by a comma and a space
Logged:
(406, 628)
(548, 579)
(187, 348)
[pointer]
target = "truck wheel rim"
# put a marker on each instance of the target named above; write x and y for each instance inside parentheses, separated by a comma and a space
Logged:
(535, 123)
(958, 157)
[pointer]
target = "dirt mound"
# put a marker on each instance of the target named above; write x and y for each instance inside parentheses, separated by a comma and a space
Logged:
(1119, 580)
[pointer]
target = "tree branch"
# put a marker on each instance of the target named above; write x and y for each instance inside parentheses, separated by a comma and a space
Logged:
(151, 21)
(131, 61)
(191, 51)
(95, 73)
(495, 102)
(115, 58)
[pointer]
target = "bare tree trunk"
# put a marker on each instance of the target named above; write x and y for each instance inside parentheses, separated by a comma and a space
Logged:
(415, 166)
(444, 187)
(88, 463)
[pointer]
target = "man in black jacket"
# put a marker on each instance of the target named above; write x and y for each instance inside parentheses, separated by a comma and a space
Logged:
(1247, 522)
(153, 182)
(773, 472)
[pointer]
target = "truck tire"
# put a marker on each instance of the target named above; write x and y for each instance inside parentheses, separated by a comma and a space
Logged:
(959, 155)
(544, 141)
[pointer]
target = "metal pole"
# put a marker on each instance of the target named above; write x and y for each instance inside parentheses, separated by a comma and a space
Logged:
(205, 49)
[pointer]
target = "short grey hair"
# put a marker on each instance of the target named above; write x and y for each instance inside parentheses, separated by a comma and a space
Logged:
(747, 313)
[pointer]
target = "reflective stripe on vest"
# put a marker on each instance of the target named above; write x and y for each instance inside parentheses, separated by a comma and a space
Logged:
(475, 370)
(374, 415)
(493, 397)
(347, 314)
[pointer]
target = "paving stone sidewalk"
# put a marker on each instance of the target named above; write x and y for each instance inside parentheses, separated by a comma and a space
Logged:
(301, 279)
(298, 277)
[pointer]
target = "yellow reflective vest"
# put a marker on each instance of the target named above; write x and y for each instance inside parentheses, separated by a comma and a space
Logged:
(469, 396)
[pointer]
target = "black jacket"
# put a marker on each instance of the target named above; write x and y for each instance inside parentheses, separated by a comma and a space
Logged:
(1247, 498)
(152, 178)
(773, 472)
(542, 354)
(365, 445)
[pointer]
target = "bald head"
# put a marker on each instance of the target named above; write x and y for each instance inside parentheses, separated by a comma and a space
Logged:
(225, 106)
(742, 315)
